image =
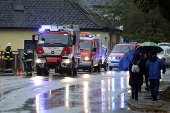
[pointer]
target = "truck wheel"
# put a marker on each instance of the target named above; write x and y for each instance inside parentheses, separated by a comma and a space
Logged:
(99, 67)
(91, 67)
(70, 71)
(110, 68)
(39, 71)
(45, 72)
(106, 67)
(75, 71)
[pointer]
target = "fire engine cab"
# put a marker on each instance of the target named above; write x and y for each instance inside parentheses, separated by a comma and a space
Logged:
(58, 48)
(91, 48)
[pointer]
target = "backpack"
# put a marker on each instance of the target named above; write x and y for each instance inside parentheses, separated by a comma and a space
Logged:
(135, 68)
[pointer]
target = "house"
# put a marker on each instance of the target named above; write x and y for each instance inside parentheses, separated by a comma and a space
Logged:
(19, 19)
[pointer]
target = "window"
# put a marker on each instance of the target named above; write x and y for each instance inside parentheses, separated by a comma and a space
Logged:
(122, 48)
(18, 6)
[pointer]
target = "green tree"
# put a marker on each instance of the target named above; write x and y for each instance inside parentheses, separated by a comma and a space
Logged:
(139, 26)
(147, 5)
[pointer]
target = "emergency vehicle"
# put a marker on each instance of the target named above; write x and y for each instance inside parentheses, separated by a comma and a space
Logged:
(58, 48)
(91, 48)
(118, 51)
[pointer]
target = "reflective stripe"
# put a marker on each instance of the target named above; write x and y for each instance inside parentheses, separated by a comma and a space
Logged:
(29, 51)
(8, 69)
(23, 57)
(8, 56)
(29, 72)
(7, 52)
(25, 53)
(28, 60)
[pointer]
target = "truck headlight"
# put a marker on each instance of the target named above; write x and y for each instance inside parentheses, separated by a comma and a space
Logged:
(67, 61)
(86, 58)
(38, 61)
(109, 57)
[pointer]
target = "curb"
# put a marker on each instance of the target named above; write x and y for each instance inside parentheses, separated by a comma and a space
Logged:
(145, 103)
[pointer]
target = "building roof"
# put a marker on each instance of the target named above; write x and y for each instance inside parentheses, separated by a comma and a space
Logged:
(33, 13)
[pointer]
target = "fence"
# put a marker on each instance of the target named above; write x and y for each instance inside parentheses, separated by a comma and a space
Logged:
(15, 62)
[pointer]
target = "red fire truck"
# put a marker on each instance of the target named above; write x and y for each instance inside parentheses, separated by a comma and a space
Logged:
(91, 48)
(58, 48)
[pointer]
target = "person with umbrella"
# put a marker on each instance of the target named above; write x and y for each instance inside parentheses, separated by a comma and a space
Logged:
(136, 68)
(155, 65)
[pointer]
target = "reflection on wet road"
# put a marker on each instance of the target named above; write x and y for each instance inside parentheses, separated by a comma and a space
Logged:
(104, 92)
(90, 96)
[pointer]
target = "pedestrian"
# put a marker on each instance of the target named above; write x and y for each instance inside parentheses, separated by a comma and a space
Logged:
(155, 65)
(142, 60)
(27, 58)
(8, 58)
(136, 75)
(146, 73)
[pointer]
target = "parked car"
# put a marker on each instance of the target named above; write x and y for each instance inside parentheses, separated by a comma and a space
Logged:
(118, 51)
(164, 44)
(165, 55)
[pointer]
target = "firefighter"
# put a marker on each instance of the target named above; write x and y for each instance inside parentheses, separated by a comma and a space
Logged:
(8, 58)
(27, 58)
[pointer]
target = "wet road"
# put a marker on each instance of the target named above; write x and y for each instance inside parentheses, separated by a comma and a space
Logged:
(104, 92)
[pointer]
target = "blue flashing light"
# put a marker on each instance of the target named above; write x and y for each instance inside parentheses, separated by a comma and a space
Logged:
(65, 51)
(65, 29)
(90, 36)
(133, 42)
(41, 30)
(122, 42)
(113, 58)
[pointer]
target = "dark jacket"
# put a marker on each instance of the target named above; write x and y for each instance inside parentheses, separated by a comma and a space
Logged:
(155, 65)
(8, 54)
(136, 79)
(28, 55)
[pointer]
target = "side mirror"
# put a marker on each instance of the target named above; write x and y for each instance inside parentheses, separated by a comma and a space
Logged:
(74, 41)
(94, 49)
(33, 39)
(74, 38)
(166, 54)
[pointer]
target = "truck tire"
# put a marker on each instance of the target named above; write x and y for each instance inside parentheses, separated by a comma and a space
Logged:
(75, 71)
(39, 71)
(45, 72)
(106, 67)
(110, 68)
(70, 71)
(91, 68)
(99, 67)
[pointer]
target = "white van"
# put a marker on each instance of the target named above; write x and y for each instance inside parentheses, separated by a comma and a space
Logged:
(165, 55)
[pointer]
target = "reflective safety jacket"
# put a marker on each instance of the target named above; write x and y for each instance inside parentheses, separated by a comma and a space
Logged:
(28, 55)
(8, 54)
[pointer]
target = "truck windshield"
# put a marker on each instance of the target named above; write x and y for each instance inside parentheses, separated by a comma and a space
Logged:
(122, 48)
(53, 39)
(85, 45)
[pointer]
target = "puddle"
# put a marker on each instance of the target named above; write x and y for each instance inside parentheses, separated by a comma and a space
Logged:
(89, 97)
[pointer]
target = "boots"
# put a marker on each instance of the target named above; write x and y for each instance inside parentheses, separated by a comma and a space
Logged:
(154, 98)
(136, 98)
